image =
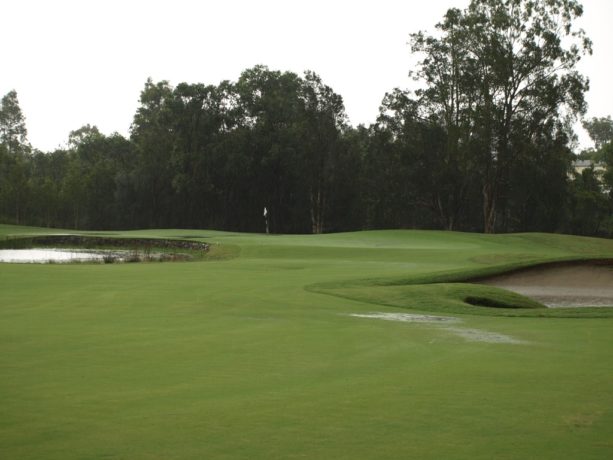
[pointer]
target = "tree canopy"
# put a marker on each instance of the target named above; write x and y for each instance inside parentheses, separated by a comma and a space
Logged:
(485, 144)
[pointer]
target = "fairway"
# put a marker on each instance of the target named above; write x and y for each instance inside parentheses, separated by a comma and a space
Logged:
(336, 346)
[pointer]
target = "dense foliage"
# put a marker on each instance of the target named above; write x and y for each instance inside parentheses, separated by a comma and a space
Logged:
(485, 145)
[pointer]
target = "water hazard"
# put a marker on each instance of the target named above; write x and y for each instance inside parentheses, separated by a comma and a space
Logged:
(42, 256)
(78, 248)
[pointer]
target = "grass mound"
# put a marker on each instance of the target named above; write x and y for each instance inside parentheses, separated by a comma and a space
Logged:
(452, 292)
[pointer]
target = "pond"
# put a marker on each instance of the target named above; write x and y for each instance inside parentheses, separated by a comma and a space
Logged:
(78, 248)
(51, 255)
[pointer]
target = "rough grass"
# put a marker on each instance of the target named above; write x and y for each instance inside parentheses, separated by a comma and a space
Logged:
(234, 358)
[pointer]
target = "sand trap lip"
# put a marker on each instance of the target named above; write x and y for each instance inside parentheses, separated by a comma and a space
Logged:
(444, 323)
(568, 284)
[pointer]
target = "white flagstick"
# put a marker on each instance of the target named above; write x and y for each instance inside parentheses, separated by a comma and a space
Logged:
(266, 218)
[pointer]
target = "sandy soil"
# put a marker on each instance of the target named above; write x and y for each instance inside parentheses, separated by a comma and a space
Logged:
(563, 285)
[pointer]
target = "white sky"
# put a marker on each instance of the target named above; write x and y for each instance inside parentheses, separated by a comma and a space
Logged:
(78, 62)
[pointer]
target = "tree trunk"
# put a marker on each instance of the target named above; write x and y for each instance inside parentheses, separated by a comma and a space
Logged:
(317, 211)
(489, 209)
(446, 217)
(17, 211)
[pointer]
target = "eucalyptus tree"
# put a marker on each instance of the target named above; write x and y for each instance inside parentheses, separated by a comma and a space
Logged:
(496, 73)
(589, 206)
(205, 121)
(539, 183)
(324, 121)
(600, 130)
(405, 174)
(348, 187)
(92, 166)
(607, 152)
(192, 122)
(273, 112)
(46, 207)
(448, 99)
(14, 158)
(13, 132)
(294, 138)
(151, 133)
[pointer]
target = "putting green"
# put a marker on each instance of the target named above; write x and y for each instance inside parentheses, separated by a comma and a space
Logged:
(247, 355)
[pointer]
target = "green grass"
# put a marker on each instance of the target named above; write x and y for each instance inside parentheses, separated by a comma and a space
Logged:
(247, 355)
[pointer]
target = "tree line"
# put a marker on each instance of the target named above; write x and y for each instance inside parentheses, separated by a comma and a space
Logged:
(485, 144)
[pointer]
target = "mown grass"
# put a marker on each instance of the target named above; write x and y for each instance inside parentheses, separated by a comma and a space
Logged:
(452, 292)
(445, 290)
(240, 358)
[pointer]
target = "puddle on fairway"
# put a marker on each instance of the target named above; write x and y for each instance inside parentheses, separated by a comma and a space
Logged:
(444, 323)
(478, 335)
(408, 317)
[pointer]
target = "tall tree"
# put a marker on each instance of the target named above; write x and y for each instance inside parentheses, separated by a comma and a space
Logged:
(13, 132)
(14, 159)
(449, 100)
(152, 134)
(589, 206)
(600, 130)
(324, 122)
(274, 113)
(14, 189)
(412, 179)
(499, 71)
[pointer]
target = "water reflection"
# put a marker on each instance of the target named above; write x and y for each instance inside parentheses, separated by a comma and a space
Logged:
(42, 256)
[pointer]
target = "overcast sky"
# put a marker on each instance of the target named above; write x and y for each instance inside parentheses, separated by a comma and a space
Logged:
(78, 62)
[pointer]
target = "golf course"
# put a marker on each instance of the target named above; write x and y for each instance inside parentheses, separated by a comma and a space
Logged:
(349, 345)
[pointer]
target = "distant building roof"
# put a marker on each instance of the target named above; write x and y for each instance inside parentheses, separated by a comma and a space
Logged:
(582, 164)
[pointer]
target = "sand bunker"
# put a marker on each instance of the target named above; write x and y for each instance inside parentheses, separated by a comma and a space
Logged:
(562, 285)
